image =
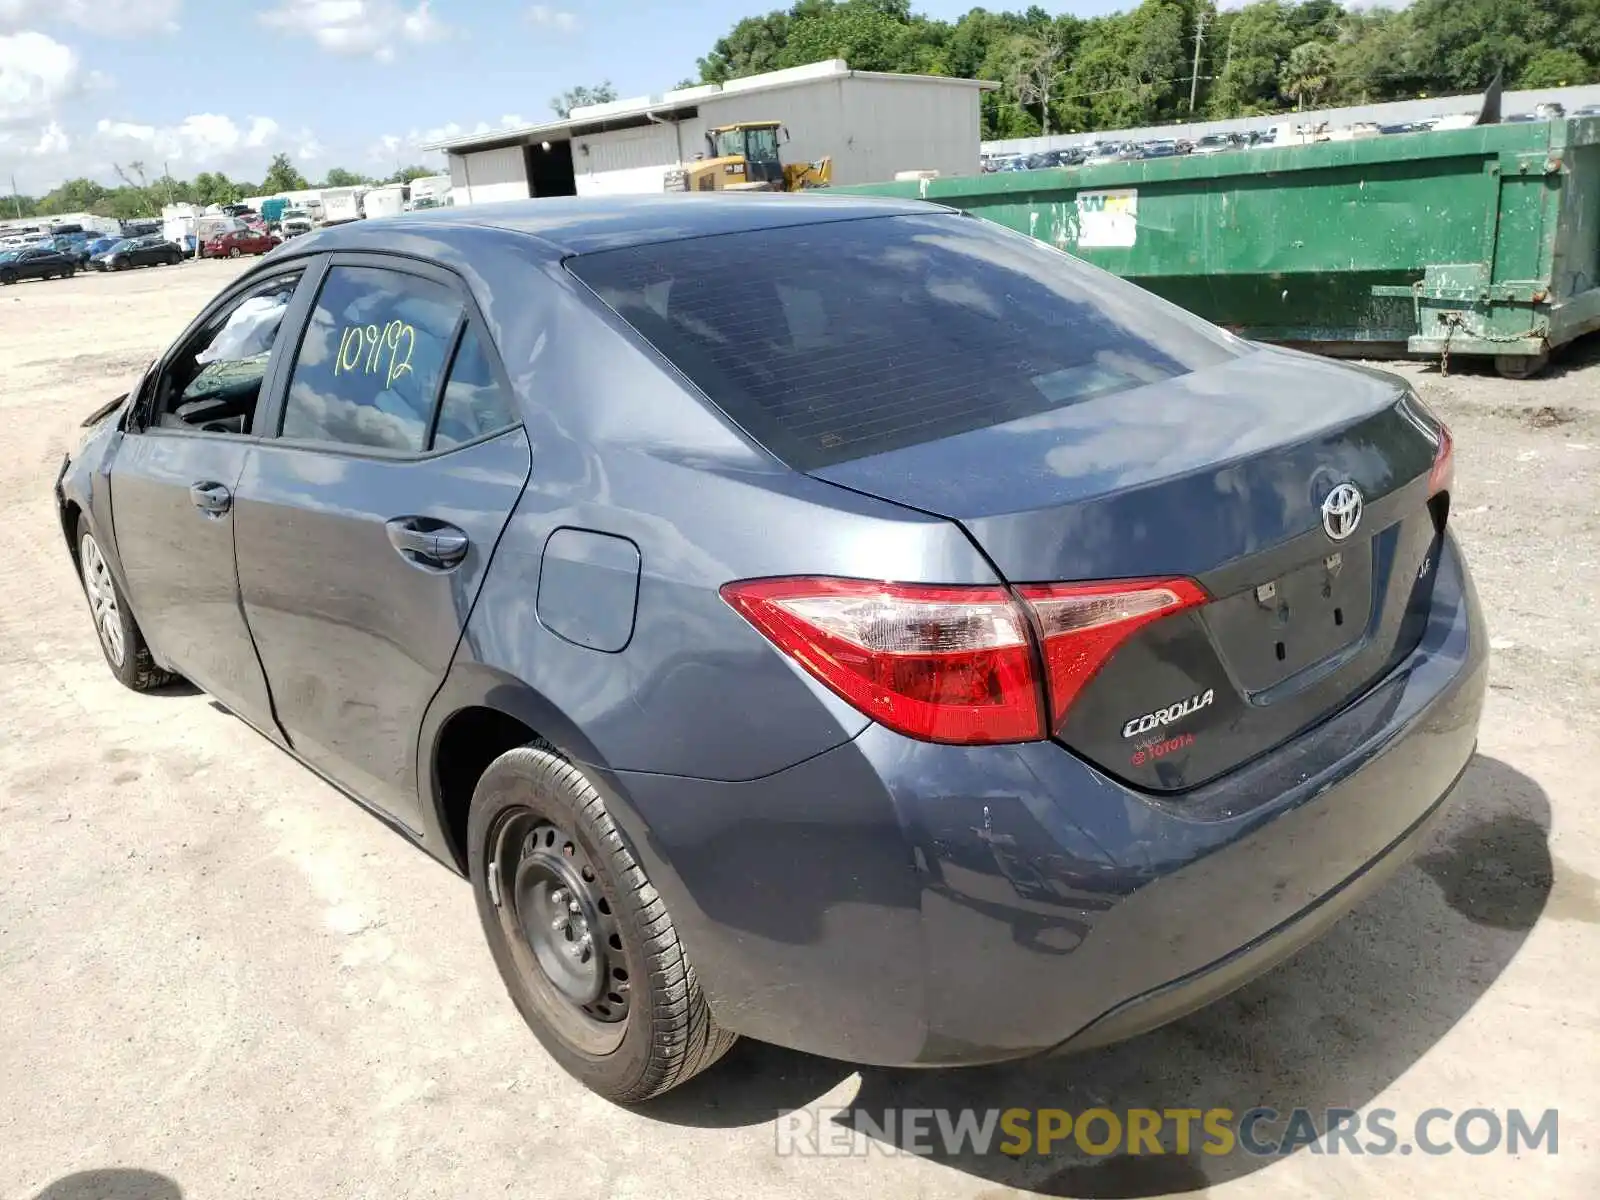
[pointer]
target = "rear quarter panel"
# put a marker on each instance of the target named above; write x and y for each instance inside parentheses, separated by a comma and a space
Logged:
(622, 447)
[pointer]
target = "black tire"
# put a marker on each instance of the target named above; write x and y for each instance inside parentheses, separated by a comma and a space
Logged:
(8, 278)
(136, 668)
(233, 252)
(533, 806)
(1521, 366)
(69, 272)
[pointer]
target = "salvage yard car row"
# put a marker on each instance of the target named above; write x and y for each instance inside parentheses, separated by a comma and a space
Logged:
(121, 254)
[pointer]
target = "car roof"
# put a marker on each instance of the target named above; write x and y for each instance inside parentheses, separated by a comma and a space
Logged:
(566, 225)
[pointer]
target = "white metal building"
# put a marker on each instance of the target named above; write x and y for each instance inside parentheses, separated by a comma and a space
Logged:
(871, 124)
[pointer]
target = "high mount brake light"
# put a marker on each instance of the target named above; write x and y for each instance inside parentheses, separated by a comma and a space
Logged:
(955, 663)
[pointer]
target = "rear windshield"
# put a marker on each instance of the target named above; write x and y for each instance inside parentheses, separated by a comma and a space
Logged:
(830, 342)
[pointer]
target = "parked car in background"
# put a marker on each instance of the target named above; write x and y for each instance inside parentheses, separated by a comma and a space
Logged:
(1217, 143)
(34, 262)
(296, 221)
(151, 251)
(99, 246)
(237, 242)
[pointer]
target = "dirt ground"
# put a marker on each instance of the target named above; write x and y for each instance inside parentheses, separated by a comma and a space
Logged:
(221, 979)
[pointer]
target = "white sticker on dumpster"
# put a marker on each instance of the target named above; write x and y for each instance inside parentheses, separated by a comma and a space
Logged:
(1108, 218)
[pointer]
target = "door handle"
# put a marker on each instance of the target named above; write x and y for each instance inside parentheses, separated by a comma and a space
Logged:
(425, 542)
(213, 499)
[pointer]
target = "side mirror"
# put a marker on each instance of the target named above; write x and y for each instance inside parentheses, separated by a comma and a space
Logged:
(783, 132)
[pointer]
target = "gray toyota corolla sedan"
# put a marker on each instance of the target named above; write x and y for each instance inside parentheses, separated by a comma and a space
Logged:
(835, 621)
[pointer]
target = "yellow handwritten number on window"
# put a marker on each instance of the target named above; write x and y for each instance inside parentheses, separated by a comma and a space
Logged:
(368, 350)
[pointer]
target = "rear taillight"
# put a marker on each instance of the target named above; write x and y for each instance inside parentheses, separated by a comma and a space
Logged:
(1442, 474)
(1444, 463)
(944, 664)
(955, 664)
(1082, 624)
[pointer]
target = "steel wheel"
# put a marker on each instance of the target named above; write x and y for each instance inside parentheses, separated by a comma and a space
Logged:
(102, 590)
(562, 930)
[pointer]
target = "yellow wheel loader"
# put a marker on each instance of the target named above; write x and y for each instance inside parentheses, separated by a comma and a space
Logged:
(744, 157)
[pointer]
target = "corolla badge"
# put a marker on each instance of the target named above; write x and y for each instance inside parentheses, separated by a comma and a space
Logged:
(1134, 726)
(1341, 511)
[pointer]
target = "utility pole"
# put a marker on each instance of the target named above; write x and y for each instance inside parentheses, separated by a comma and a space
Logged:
(16, 200)
(1199, 40)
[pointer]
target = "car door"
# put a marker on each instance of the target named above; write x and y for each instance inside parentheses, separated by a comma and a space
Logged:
(28, 264)
(172, 489)
(364, 529)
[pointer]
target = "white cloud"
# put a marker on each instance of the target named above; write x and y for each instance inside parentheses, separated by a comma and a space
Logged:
(116, 18)
(36, 74)
(53, 140)
(553, 18)
(48, 152)
(406, 149)
(200, 142)
(356, 28)
(262, 131)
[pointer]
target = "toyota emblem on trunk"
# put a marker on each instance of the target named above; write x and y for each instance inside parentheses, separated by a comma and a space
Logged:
(1341, 511)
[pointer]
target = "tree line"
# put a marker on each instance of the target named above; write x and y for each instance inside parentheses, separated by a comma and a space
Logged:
(137, 196)
(1170, 60)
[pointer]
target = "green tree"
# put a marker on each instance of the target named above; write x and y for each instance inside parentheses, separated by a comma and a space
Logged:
(415, 171)
(338, 177)
(282, 177)
(1253, 44)
(579, 96)
(1037, 59)
(752, 47)
(1308, 73)
(1135, 67)
(1460, 44)
(871, 35)
(215, 188)
(75, 195)
(1374, 60)
(1555, 68)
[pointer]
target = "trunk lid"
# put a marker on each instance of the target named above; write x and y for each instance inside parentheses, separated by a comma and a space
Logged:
(1220, 476)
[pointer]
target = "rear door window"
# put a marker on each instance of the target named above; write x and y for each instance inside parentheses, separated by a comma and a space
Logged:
(373, 355)
(833, 341)
(474, 404)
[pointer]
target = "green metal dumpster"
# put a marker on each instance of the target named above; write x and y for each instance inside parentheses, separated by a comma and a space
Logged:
(1479, 241)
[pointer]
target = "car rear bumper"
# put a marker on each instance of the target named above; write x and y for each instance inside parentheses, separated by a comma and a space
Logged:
(900, 903)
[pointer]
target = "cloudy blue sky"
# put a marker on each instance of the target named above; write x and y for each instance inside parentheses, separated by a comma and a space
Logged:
(354, 83)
